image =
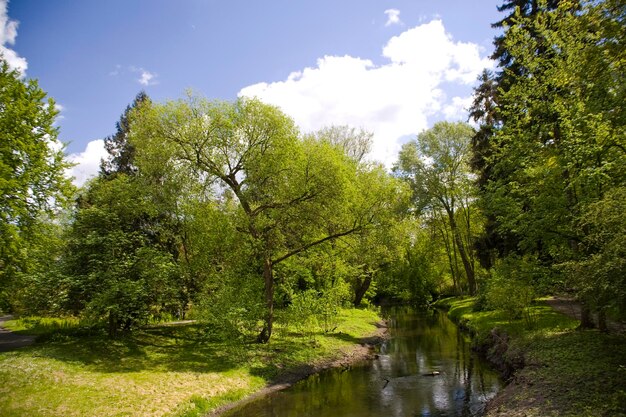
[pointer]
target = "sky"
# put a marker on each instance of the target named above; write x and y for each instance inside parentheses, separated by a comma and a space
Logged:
(393, 68)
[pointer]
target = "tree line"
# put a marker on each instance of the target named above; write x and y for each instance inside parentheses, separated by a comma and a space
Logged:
(226, 211)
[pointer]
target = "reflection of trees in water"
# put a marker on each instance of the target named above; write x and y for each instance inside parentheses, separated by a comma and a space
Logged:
(395, 384)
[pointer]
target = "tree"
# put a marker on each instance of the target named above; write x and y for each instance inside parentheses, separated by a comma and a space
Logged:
(116, 271)
(487, 112)
(121, 158)
(558, 148)
(437, 167)
(292, 193)
(33, 181)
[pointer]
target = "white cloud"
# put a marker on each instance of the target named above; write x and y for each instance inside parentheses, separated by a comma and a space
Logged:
(147, 78)
(393, 17)
(457, 109)
(391, 100)
(87, 162)
(8, 33)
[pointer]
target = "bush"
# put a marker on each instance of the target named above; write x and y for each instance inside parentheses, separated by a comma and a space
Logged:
(511, 288)
(311, 310)
(234, 308)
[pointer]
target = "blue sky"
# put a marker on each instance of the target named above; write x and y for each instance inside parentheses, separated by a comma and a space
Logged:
(391, 67)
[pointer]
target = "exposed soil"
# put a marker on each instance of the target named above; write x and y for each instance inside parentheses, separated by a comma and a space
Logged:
(10, 340)
(357, 353)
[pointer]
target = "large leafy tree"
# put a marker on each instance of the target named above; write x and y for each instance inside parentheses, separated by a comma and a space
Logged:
(437, 167)
(290, 193)
(116, 271)
(33, 181)
(126, 254)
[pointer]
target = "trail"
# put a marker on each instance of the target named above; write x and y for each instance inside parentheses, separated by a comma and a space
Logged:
(10, 340)
(571, 307)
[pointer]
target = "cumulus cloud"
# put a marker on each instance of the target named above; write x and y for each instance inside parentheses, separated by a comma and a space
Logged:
(392, 100)
(87, 162)
(147, 78)
(8, 33)
(393, 17)
(457, 109)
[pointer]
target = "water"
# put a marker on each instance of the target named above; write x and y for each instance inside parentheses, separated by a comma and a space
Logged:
(397, 383)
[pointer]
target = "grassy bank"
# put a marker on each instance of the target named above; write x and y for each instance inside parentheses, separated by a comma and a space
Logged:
(175, 370)
(558, 370)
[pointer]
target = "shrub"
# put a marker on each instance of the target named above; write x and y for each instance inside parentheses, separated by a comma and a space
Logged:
(511, 288)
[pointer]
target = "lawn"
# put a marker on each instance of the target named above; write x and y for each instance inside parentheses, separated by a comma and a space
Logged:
(167, 370)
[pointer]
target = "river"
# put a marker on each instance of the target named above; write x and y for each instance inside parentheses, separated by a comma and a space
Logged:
(426, 368)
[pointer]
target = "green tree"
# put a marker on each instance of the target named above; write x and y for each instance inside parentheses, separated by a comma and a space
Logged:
(437, 167)
(291, 193)
(559, 147)
(115, 271)
(121, 152)
(34, 186)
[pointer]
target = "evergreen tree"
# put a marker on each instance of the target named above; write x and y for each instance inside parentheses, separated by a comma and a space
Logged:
(120, 149)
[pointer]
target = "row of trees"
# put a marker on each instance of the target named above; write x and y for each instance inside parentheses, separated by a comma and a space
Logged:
(550, 152)
(227, 210)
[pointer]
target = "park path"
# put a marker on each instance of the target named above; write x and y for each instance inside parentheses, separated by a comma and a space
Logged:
(571, 307)
(10, 340)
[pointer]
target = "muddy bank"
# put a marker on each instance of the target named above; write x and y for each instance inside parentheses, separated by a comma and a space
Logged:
(357, 353)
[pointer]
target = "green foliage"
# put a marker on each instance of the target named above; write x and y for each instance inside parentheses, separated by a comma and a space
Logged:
(417, 277)
(281, 193)
(232, 308)
(115, 271)
(511, 288)
(33, 185)
(600, 276)
(312, 310)
(121, 159)
(436, 166)
(551, 150)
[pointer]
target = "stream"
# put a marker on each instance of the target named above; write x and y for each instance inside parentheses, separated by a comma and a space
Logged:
(426, 368)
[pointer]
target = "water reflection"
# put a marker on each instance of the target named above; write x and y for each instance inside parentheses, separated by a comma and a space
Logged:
(400, 382)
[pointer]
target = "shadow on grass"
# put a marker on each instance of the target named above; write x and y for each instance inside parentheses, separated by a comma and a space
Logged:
(181, 348)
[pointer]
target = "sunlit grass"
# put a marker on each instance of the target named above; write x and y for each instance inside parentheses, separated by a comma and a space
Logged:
(158, 371)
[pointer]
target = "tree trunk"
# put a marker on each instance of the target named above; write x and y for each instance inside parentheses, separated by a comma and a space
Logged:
(467, 264)
(586, 321)
(112, 325)
(602, 320)
(361, 288)
(268, 277)
(449, 250)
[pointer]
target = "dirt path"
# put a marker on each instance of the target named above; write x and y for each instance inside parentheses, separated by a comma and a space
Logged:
(571, 307)
(10, 340)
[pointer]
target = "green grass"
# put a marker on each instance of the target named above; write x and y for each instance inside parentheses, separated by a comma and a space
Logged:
(567, 372)
(157, 371)
(43, 326)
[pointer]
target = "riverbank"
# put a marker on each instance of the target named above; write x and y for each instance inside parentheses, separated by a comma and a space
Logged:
(175, 370)
(551, 368)
(361, 351)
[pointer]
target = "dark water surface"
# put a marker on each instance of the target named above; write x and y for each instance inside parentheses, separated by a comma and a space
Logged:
(397, 382)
